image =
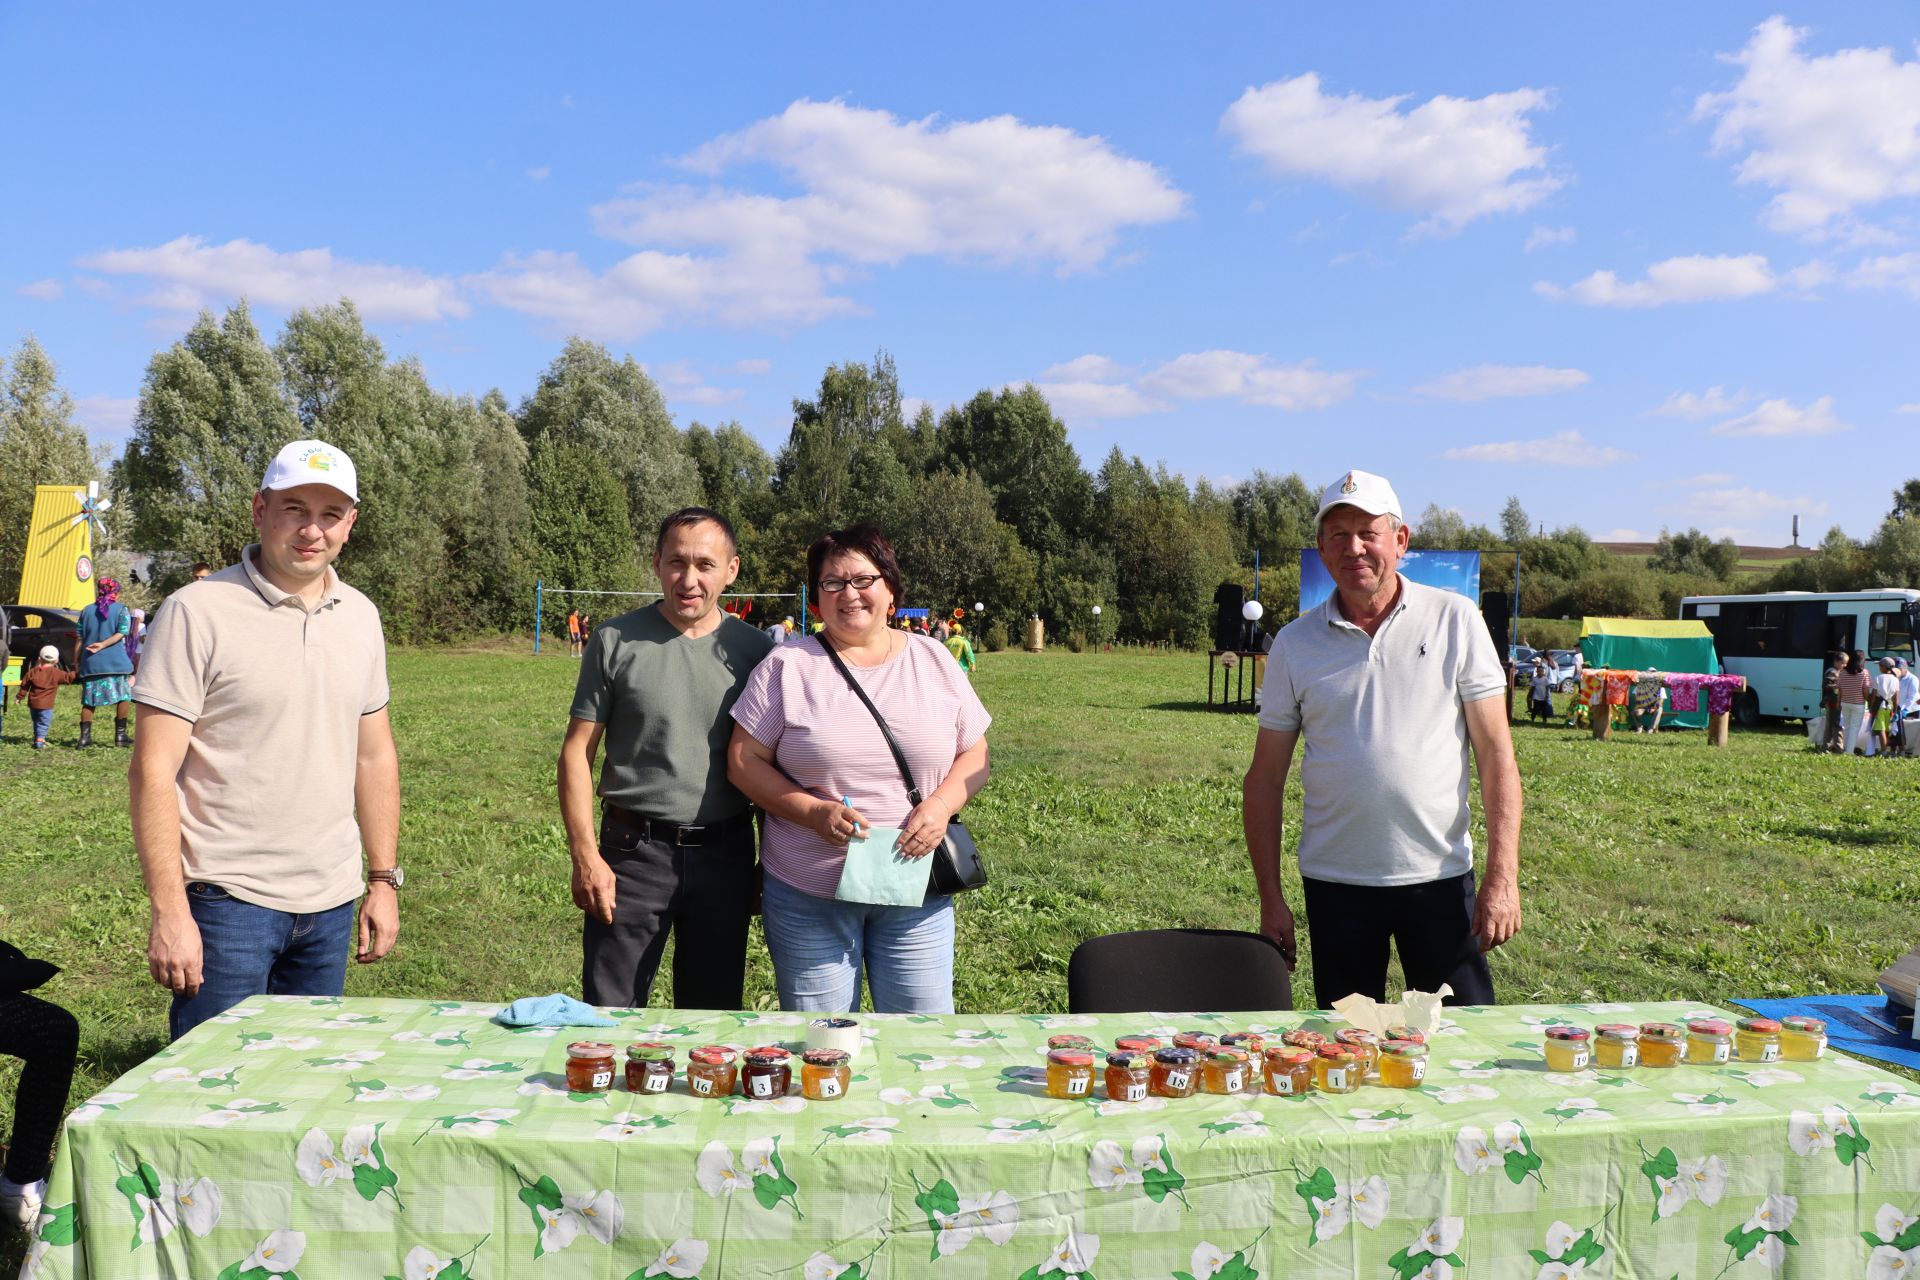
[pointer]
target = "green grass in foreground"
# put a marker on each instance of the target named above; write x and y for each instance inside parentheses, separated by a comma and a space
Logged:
(1651, 868)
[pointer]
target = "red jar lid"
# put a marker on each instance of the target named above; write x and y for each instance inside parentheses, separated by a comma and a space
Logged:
(711, 1055)
(1301, 1038)
(1573, 1034)
(1137, 1044)
(1069, 1042)
(767, 1055)
(1805, 1026)
(1406, 1033)
(1404, 1048)
(589, 1049)
(1070, 1057)
(1760, 1026)
(825, 1057)
(1356, 1035)
(1230, 1054)
(1288, 1056)
(1710, 1027)
(1336, 1053)
(1195, 1040)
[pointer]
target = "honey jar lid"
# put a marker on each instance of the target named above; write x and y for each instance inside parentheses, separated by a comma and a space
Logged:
(1195, 1039)
(650, 1051)
(826, 1057)
(1805, 1025)
(1070, 1057)
(1231, 1055)
(1137, 1044)
(1760, 1026)
(1404, 1049)
(1131, 1061)
(1406, 1033)
(1571, 1034)
(1356, 1035)
(589, 1049)
(1661, 1031)
(834, 1024)
(1241, 1038)
(1178, 1056)
(1337, 1053)
(1710, 1027)
(1617, 1031)
(711, 1055)
(767, 1055)
(1302, 1038)
(1069, 1042)
(1287, 1055)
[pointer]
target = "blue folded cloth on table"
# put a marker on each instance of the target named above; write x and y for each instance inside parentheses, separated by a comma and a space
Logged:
(555, 1010)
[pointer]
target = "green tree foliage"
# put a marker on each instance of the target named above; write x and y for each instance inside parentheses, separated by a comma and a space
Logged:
(1693, 552)
(1515, 528)
(1906, 500)
(40, 443)
(1840, 564)
(1169, 557)
(580, 530)
(1893, 553)
(854, 406)
(212, 415)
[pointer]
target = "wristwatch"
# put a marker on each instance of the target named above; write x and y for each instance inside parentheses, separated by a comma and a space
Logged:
(394, 876)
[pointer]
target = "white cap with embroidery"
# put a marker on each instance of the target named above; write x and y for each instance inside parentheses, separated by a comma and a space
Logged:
(313, 462)
(1364, 490)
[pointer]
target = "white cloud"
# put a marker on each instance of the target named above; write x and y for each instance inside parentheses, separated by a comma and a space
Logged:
(1908, 408)
(1894, 271)
(1496, 381)
(45, 290)
(1623, 534)
(1087, 368)
(188, 273)
(1703, 480)
(910, 407)
(1711, 403)
(1690, 279)
(106, 416)
(540, 174)
(1773, 418)
(1567, 449)
(1251, 379)
(1730, 506)
(681, 383)
(1831, 134)
(753, 368)
(1544, 236)
(1449, 159)
(1076, 401)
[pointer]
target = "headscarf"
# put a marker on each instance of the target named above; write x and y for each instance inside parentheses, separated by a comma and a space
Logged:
(105, 592)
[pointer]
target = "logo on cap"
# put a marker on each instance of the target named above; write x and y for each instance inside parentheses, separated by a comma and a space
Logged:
(1347, 485)
(318, 460)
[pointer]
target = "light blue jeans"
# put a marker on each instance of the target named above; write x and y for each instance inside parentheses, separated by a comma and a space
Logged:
(820, 946)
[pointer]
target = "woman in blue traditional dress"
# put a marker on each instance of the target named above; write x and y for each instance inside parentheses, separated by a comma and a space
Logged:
(105, 664)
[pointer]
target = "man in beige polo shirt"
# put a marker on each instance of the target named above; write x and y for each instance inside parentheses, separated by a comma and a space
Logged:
(265, 762)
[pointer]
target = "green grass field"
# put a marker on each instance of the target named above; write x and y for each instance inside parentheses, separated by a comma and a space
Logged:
(1652, 868)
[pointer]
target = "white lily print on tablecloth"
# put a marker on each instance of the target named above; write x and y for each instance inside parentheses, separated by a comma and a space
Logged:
(1073, 1256)
(482, 1123)
(159, 1205)
(1474, 1068)
(1376, 1120)
(1012, 1129)
(1889, 1093)
(211, 1078)
(1509, 1148)
(98, 1105)
(1332, 1205)
(1835, 1129)
(1209, 1261)
(1240, 1124)
(479, 1069)
(682, 1260)
(1676, 1183)
(264, 1041)
(937, 1095)
(220, 1115)
(371, 1091)
(1150, 1167)
(1577, 1109)
(1568, 1251)
(760, 1169)
(560, 1218)
(822, 1266)
(1455, 1094)
(1895, 1241)
(352, 1060)
(277, 1255)
(1108, 1107)
(239, 1013)
(1765, 1235)
(631, 1123)
(955, 1220)
(1434, 1253)
(443, 1039)
(792, 1104)
(423, 1263)
(941, 1061)
(361, 1160)
(873, 1130)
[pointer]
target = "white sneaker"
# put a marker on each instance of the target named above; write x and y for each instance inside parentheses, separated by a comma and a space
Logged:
(19, 1203)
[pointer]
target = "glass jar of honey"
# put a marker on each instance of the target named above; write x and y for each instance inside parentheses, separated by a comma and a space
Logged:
(824, 1074)
(1069, 1073)
(1365, 1046)
(1224, 1070)
(1568, 1048)
(589, 1066)
(1289, 1071)
(1137, 1044)
(1301, 1038)
(1757, 1040)
(1662, 1044)
(769, 1072)
(1403, 1064)
(1802, 1039)
(1709, 1042)
(1070, 1041)
(1251, 1041)
(1616, 1046)
(1129, 1077)
(1335, 1069)
(649, 1067)
(1173, 1074)
(1198, 1041)
(711, 1071)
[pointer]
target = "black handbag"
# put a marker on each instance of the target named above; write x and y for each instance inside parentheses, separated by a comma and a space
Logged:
(957, 864)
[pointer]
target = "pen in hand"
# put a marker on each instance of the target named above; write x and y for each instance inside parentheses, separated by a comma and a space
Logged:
(848, 802)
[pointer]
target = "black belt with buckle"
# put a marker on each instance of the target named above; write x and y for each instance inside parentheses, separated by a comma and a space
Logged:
(686, 835)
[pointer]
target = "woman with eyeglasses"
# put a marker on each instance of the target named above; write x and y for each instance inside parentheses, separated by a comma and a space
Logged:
(811, 756)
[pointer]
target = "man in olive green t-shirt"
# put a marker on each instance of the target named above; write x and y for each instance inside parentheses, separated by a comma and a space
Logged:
(675, 848)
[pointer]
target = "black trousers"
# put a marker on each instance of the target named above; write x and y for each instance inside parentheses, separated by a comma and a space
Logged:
(47, 1038)
(1350, 928)
(703, 895)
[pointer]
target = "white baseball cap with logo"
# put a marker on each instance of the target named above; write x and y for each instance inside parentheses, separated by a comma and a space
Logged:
(313, 462)
(1362, 489)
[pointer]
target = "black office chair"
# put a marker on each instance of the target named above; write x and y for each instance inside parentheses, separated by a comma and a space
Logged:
(1178, 969)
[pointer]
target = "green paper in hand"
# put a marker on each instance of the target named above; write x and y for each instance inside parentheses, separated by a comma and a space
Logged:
(875, 873)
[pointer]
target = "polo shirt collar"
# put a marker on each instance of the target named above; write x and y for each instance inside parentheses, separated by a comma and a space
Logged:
(274, 596)
(1330, 607)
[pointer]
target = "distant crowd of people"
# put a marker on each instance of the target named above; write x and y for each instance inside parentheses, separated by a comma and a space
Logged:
(1867, 710)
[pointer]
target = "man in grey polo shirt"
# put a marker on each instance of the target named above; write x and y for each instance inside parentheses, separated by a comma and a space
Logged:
(265, 763)
(1387, 683)
(675, 850)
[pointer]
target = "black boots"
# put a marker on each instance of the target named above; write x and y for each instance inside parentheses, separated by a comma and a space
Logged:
(86, 733)
(120, 736)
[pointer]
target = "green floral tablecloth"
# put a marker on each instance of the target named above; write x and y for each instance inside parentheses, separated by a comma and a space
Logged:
(373, 1138)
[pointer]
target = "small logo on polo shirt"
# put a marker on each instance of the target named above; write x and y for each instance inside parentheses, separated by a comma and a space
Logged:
(1423, 648)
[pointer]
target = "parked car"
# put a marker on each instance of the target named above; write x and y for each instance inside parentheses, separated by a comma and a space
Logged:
(1521, 655)
(31, 627)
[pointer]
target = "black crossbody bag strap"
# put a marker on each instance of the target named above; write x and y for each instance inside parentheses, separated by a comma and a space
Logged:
(899, 757)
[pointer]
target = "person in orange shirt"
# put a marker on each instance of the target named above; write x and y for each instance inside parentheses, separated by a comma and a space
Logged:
(573, 634)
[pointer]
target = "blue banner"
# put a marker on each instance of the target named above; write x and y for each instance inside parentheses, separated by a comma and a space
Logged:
(1456, 571)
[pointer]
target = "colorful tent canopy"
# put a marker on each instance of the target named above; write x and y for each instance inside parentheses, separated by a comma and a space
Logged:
(1664, 645)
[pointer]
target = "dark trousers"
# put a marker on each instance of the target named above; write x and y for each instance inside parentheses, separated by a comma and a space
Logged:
(47, 1038)
(1351, 926)
(1830, 737)
(703, 895)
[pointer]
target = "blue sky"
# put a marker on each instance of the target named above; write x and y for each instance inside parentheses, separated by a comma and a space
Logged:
(1641, 265)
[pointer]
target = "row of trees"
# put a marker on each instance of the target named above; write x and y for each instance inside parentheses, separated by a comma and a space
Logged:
(468, 500)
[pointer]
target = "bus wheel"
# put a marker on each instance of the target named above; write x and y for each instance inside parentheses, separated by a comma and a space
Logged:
(1746, 710)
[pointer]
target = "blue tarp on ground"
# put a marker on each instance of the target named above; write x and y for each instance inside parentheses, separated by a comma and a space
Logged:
(1846, 1027)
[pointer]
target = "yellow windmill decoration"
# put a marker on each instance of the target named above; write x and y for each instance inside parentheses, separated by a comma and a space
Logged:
(59, 564)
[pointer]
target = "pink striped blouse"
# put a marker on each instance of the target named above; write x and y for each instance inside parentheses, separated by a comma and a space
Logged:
(823, 739)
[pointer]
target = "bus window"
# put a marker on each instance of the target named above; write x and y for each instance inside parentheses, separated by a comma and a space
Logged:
(1890, 635)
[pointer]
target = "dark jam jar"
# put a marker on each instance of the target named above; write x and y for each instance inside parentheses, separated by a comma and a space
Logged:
(768, 1073)
(589, 1066)
(649, 1067)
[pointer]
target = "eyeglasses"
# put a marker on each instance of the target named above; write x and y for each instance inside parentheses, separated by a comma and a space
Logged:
(834, 586)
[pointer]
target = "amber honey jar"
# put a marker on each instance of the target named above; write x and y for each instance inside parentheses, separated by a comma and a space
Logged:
(1289, 1071)
(1336, 1069)
(1709, 1042)
(711, 1071)
(1616, 1046)
(1365, 1046)
(1568, 1048)
(649, 1067)
(1069, 1073)
(1402, 1064)
(1757, 1040)
(1174, 1073)
(1224, 1070)
(589, 1066)
(825, 1074)
(1129, 1077)
(1662, 1044)
(1802, 1039)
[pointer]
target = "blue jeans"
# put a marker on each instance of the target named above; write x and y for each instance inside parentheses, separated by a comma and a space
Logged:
(42, 724)
(247, 950)
(820, 945)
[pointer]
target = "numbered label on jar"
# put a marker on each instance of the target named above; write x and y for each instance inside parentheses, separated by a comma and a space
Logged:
(1722, 1052)
(1135, 1093)
(1769, 1053)
(603, 1079)
(1282, 1085)
(1233, 1082)
(700, 1084)
(655, 1084)
(1077, 1085)
(1630, 1055)
(762, 1086)
(829, 1088)
(1178, 1079)
(1419, 1070)
(1579, 1059)
(1336, 1079)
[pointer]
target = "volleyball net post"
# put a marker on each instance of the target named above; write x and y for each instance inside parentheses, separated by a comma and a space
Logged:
(540, 594)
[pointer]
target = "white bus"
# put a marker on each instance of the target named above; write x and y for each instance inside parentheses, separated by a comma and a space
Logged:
(1779, 640)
